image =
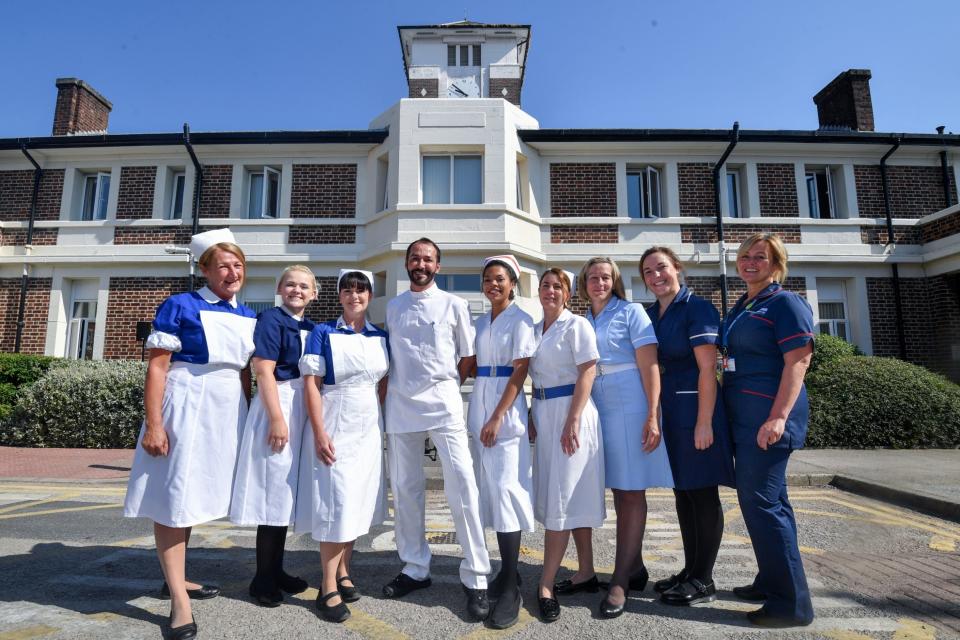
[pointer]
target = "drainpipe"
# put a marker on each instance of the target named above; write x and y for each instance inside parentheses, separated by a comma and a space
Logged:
(197, 191)
(721, 246)
(945, 171)
(890, 247)
(27, 248)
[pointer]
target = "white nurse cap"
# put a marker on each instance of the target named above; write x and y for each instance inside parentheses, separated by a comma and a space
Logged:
(203, 241)
(344, 272)
(506, 259)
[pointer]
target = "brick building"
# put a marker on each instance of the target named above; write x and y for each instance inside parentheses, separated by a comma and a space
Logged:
(459, 160)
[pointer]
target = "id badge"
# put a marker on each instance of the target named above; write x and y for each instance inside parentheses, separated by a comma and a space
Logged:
(729, 364)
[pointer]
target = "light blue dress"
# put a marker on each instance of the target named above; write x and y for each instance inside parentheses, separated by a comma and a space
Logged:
(623, 327)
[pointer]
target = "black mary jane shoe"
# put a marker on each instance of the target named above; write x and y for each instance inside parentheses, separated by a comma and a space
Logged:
(762, 618)
(184, 632)
(506, 612)
(638, 581)
(691, 592)
(291, 584)
(549, 609)
(349, 594)
(750, 593)
(495, 587)
(205, 592)
(337, 613)
(268, 599)
(569, 587)
(669, 583)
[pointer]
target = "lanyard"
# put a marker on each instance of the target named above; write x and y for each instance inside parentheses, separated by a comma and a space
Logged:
(728, 327)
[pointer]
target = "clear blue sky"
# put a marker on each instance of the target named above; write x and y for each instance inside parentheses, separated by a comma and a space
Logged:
(332, 64)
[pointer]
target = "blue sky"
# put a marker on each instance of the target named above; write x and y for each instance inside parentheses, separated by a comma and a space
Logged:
(335, 65)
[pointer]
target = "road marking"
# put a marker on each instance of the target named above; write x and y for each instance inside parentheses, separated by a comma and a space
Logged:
(60, 497)
(911, 629)
(52, 511)
(846, 635)
(72, 486)
(942, 543)
(370, 627)
(36, 631)
(485, 633)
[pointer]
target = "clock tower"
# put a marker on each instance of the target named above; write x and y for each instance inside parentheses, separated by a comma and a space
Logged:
(462, 60)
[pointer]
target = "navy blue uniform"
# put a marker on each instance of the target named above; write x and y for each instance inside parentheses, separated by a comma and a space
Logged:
(755, 336)
(278, 338)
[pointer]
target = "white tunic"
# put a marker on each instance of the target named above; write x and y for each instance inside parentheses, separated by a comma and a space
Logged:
(568, 490)
(504, 475)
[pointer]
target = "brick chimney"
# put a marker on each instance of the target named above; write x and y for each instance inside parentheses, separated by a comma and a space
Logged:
(845, 103)
(80, 109)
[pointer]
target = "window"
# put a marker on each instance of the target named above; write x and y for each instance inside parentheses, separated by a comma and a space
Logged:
(83, 328)
(264, 193)
(833, 319)
(523, 184)
(643, 192)
(96, 193)
(176, 201)
(459, 282)
(463, 55)
(820, 193)
(639, 292)
(452, 179)
(260, 305)
(383, 172)
(733, 194)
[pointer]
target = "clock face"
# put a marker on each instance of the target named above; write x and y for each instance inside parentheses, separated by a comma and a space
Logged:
(465, 87)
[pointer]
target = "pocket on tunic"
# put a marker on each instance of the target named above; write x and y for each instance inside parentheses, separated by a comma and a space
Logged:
(436, 341)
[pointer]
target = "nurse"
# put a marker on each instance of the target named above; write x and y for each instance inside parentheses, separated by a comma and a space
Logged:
(497, 420)
(265, 489)
(568, 470)
(195, 403)
(767, 344)
(694, 424)
(627, 395)
(341, 468)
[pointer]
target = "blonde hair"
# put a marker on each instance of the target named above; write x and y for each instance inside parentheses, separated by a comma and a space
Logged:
(778, 253)
(207, 256)
(564, 282)
(618, 289)
(303, 269)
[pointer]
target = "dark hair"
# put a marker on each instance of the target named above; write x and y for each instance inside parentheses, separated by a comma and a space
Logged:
(510, 273)
(423, 241)
(355, 280)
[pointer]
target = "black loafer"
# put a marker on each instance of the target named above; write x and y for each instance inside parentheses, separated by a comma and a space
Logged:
(495, 587)
(750, 593)
(569, 587)
(266, 598)
(336, 613)
(184, 632)
(506, 612)
(691, 592)
(402, 585)
(609, 610)
(477, 604)
(669, 583)
(205, 592)
(638, 581)
(349, 594)
(291, 584)
(549, 609)
(761, 618)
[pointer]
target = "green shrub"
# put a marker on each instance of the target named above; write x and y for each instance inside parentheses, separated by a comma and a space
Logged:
(828, 348)
(89, 404)
(19, 370)
(861, 402)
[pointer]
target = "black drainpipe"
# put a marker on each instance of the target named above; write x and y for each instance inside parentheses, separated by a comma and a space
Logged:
(27, 248)
(945, 171)
(895, 268)
(721, 247)
(197, 192)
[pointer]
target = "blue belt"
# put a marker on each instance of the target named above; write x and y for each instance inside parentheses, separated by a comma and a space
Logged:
(494, 372)
(549, 393)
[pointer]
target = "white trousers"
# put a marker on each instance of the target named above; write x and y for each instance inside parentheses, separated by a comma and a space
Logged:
(408, 483)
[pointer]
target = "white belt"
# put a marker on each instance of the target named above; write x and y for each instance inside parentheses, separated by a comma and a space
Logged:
(607, 369)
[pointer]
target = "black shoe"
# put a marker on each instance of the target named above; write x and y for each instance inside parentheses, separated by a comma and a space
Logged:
(692, 591)
(336, 613)
(669, 583)
(205, 592)
(402, 585)
(291, 584)
(184, 632)
(569, 587)
(495, 587)
(549, 609)
(750, 593)
(638, 581)
(761, 618)
(477, 604)
(506, 612)
(265, 598)
(349, 594)
(609, 610)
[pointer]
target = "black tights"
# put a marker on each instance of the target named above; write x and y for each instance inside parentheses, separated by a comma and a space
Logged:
(509, 544)
(701, 527)
(270, 544)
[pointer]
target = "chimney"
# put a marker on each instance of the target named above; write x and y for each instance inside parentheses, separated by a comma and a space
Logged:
(845, 103)
(80, 109)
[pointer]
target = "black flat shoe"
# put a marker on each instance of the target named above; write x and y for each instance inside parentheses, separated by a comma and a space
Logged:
(609, 610)
(402, 585)
(761, 618)
(495, 587)
(477, 604)
(638, 581)
(336, 613)
(569, 587)
(691, 592)
(291, 584)
(749, 593)
(669, 583)
(205, 592)
(506, 612)
(349, 594)
(549, 609)
(266, 598)
(184, 632)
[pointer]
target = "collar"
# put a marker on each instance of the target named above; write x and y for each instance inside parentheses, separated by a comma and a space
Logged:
(432, 290)
(612, 305)
(212, 298)
(771, 290)
(296, 317)
(342, 325)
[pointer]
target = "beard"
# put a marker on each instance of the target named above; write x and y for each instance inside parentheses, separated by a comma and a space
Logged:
(421, 277)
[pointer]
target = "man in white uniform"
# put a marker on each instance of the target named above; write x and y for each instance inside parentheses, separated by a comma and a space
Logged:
(431, 351)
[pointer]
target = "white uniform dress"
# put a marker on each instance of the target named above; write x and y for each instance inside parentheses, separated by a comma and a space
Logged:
(340, 502)
(203, 411)
(504, 475)
(265, 489)
(568, 490)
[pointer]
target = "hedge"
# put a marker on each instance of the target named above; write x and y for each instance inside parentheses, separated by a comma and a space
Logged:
(828, 348)
(862, 402)
(18, 370)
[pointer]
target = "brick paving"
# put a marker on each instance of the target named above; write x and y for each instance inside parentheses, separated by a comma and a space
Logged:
(65, 464)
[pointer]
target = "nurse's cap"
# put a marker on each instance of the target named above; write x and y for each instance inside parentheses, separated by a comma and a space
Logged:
(506, 259)
(344, 272)
(203, 241)
(573, 281)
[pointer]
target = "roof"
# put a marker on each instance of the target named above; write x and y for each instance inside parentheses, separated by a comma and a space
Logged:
(746, 135)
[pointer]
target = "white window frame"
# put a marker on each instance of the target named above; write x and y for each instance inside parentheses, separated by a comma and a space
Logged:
(79, 339)
(267, 175)
(178, 176)
(99, 199)
(734, 200)
(451, 185)
(832, 291)
(650, 192)
(812, 176)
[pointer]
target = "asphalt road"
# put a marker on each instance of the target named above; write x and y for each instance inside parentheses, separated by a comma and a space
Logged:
(72, 567)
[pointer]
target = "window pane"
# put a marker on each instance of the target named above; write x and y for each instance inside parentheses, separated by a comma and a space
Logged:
(259, 305)
(273, 194)
(255, 203)
(89, 197)
(91, 331)
(831, 311)
(178, 184)
(467, 180)
(841, 330)
(634, 195)
(824, 328)
(476, 55)
(464, 55)
(468, 283)
(733, 196)
(812, 195)
(654, 178)
(103, 194)
(436, 179)
(451, 55)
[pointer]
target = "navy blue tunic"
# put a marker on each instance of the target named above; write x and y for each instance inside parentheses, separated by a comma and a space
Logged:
(278, 338)
(689, 321)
